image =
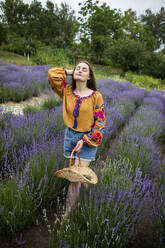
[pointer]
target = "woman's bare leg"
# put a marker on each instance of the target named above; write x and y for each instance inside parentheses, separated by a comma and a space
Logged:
(74, 190)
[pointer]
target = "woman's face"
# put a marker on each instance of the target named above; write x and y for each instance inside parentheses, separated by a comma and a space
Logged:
(81, 72)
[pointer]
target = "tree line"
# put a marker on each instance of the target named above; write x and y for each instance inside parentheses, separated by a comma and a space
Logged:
(100, 33)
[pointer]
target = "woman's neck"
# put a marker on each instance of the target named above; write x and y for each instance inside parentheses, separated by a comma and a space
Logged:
(81, 87)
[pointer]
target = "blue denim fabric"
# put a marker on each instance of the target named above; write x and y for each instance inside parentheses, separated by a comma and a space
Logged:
(71, 138)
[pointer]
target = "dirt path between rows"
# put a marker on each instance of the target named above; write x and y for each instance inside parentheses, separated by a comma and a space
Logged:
(17, 108)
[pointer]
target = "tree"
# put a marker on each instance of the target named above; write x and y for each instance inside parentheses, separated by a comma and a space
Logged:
(67, 26)
(100, 25)
(156, 24)
(129, 55)
(3, 33)
(134, 29)
(14, 15)
(50, 25)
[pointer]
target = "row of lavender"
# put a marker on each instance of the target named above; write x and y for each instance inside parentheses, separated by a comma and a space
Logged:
(20, 83)
(131, 188)
(32, 147)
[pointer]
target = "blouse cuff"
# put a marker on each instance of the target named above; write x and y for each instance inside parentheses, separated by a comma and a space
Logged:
(65, 71)
(85, 143)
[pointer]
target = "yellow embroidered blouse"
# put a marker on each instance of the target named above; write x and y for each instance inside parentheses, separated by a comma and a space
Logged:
(82, 114)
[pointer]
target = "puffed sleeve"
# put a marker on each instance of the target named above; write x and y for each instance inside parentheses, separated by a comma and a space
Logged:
(94, 137)
(56, 79)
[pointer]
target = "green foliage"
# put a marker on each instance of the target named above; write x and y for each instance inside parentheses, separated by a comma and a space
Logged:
(50, 56)
(156, 65)
(156, 24)
(20, 45)
(105, 35)
(132, 29)
(28, 109)
(51, 103)
(13, 58)
(16, 44)
(101, 72)
(13, 14)
(51, 25)
(128, 54)
(143, 81)
(47, 104)
(102, 24)
(17, 208)
(3, 33)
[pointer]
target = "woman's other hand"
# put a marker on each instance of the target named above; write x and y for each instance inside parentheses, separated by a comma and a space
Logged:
(79, 146)
(69, 72)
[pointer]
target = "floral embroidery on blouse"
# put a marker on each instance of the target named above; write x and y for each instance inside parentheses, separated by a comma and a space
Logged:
(64, 84)
(99, 114)
(94, 138)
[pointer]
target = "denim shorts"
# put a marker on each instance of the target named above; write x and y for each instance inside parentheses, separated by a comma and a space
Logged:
(71, 138)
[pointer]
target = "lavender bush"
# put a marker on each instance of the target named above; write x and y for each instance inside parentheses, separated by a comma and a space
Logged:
(141, 151)
(118, 112)
(108, 214)
(31, 150)
(40, 169)
(147, 122)
(17, 207)
(160, 214)
(20, 134)
(111, 90)
(20, 83)
(139, 137)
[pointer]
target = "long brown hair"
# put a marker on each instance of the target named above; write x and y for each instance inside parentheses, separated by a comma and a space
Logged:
(91, 83)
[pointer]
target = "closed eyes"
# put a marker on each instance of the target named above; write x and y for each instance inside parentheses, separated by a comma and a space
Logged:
(83, 69)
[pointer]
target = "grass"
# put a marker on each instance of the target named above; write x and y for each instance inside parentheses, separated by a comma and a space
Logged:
(12, 58)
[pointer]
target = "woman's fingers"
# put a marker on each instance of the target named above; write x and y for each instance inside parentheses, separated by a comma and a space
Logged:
(79, 146)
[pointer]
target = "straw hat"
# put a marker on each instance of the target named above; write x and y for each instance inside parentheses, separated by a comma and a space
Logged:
(77, 173)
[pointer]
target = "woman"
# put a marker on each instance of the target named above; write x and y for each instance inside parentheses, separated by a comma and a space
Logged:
(83, 114)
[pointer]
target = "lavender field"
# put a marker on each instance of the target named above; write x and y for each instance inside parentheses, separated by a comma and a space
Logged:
(20, 83)
(126, 207)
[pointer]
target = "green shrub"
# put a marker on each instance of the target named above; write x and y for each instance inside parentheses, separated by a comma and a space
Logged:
(158, 68)
(29, 109)
(143, 80)
(17, 208)
(49, 56)
(154, 65)
(129, 55)
(51, 103)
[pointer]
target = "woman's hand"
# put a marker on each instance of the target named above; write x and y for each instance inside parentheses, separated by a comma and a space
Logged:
(79, 146)
(69, 72)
